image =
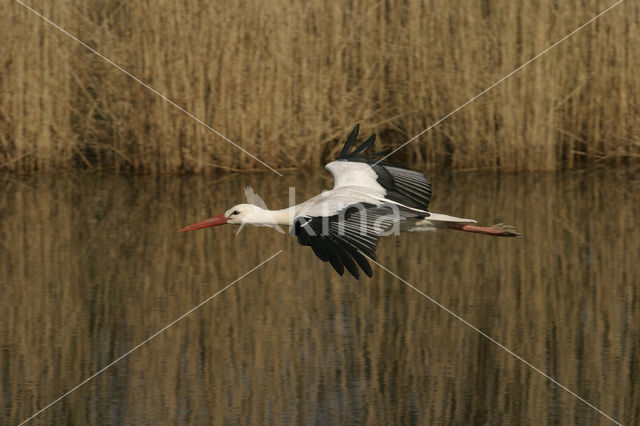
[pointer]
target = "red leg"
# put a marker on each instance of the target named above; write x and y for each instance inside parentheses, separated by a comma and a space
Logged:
(499, 230)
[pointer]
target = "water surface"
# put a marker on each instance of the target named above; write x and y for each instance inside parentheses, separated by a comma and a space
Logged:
(92, 265)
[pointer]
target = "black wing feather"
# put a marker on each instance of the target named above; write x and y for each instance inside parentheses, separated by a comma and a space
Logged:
(345, 258)
(365, 145)
(351, 140)
(334, 259)
(358, 257)
(345, 238)
(405, 186)
(321, 250)
(307, 236)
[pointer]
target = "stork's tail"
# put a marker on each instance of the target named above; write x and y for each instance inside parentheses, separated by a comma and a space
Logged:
(498, 230)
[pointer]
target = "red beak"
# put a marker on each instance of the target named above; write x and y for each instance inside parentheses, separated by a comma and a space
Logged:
(212, 221)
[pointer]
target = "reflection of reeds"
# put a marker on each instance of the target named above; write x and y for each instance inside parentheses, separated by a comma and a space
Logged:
(287, 79)
(90, 267)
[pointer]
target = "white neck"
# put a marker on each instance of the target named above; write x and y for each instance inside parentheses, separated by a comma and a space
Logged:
(266, 217)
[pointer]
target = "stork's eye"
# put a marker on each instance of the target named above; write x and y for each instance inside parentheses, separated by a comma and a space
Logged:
(235, 212)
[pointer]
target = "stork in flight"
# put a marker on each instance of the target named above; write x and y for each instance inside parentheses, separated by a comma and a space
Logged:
(370, 198)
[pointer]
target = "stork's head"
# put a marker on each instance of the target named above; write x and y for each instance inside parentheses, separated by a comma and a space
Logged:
(242, 214)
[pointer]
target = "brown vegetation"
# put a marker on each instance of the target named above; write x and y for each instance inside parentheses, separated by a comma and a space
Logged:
(287, 80)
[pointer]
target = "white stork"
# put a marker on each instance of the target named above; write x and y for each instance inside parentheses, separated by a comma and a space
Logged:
(370, 198)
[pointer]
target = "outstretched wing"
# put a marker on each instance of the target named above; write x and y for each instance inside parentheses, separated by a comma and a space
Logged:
(345, 238)
(354, 167)
(253, 198)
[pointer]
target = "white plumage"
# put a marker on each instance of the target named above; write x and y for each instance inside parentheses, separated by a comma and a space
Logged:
(370, 198)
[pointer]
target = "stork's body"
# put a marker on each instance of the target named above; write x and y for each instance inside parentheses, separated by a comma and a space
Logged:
(370, 198)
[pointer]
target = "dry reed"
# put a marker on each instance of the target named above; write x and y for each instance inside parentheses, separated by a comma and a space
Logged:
(287, 80)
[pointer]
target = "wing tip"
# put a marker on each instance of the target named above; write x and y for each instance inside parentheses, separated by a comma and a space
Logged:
(351, 140)
(349, 153)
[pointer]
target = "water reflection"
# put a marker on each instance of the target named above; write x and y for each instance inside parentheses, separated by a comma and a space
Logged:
(92, 265)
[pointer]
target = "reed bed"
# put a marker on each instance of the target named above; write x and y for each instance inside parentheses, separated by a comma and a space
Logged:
(287, 80)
